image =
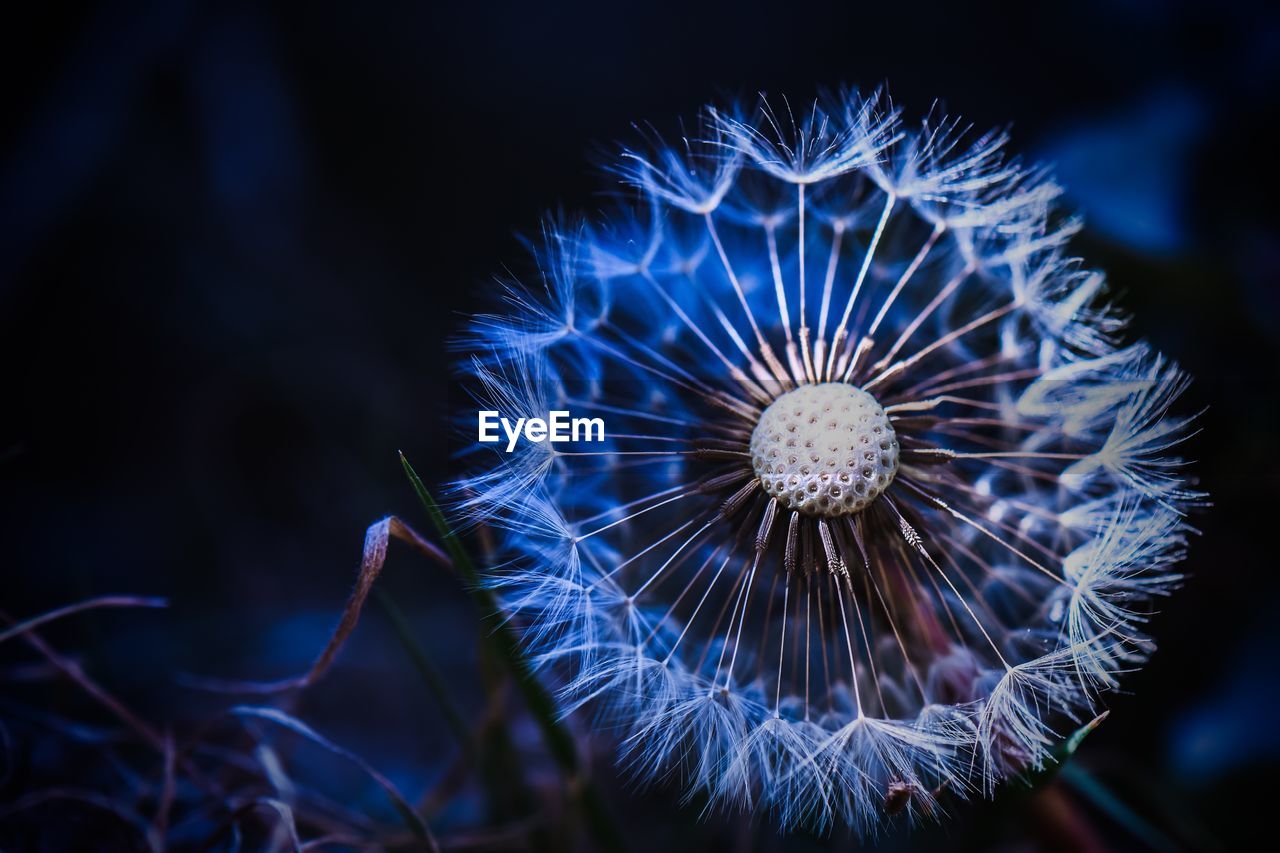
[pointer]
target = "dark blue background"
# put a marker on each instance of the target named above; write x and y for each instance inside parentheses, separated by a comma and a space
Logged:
(234, 239)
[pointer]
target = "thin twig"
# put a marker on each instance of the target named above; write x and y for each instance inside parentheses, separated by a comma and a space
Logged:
(73, 671)
(80, 607)
(372, 561)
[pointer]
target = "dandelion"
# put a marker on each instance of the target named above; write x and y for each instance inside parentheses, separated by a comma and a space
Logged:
(884, 500)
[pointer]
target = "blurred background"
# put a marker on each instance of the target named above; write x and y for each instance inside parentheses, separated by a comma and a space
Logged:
(236, 237)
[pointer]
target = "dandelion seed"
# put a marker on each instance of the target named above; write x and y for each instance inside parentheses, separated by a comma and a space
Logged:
(883, 500)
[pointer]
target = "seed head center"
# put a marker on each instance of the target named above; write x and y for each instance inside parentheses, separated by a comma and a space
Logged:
(825, 450)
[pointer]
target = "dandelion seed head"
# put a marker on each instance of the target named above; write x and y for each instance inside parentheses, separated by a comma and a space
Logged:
(885, 499)
(825, 450)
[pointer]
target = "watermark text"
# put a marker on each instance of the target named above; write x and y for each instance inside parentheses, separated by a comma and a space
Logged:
(556, 427)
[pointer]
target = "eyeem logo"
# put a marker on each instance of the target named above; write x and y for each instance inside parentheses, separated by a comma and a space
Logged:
(558, 427)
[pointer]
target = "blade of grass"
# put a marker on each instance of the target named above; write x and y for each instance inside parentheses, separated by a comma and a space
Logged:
(430, 675)
(1089, 787)
(1060, 754)
(536, 697)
